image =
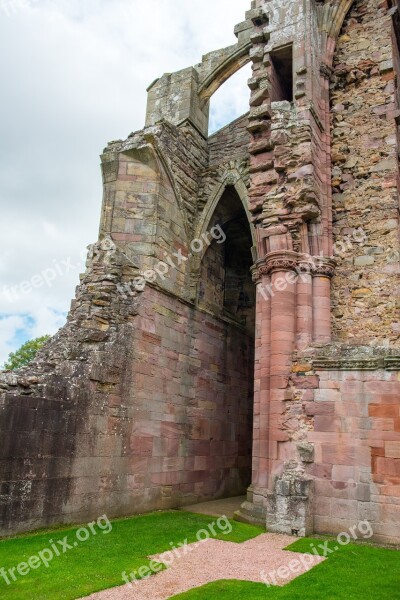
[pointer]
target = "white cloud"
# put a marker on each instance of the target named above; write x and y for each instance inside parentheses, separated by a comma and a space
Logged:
(9, 327)
(74, 76)
(231, 100)
(16, 329)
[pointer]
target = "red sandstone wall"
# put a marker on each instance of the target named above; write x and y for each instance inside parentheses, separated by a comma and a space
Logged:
(62, 419)
(158, 415)
(352, 416)
(192, 398)
(354, 425)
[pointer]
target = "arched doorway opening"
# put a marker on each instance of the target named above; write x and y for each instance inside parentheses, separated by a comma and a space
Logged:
(226, 290)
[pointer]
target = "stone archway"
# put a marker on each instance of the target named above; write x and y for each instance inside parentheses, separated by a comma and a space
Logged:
(226, 290)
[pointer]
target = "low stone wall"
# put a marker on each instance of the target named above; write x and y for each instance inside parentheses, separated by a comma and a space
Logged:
(351, 404)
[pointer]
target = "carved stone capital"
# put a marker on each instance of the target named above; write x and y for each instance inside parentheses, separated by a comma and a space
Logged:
(287, 260)
(282, 260)
(323, 267)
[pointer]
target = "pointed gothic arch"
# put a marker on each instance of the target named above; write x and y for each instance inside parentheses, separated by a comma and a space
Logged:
(234, 179)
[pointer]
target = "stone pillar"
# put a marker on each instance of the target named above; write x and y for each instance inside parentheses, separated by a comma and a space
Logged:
(290, 202)
(322, 300)
(264, 382)
(275, 341)
(304, 310)
(253, 509)
(283, 338)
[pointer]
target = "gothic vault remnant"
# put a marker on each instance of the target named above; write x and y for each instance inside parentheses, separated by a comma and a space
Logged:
(237, 327)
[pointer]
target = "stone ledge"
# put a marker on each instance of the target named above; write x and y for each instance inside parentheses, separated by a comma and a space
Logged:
(344, 357)
(389, 364)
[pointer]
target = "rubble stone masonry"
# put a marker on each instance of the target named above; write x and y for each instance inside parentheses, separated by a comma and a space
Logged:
(365, 194)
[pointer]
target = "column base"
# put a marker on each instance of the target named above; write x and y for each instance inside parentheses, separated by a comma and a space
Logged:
(252, 510)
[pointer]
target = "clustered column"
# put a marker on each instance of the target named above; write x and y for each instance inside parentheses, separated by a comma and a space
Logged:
(289, 201)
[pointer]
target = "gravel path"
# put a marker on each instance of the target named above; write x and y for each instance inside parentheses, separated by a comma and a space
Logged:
(255, 560)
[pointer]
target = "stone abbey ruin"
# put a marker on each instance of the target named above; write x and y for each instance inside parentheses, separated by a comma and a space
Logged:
(237, 327)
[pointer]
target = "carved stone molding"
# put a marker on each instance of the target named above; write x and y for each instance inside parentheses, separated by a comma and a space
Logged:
(371, 364)
(392, 363)
(232, 171)
(287, 260)
(389, 363)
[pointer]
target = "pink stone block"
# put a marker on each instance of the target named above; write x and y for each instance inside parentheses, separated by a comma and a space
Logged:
(322, 506)
(326, 423)
(309, 382)
(392, 449)
(388, 466)
(344, 509)
(385, 411)
(171, 430)
(344, 473)
(166, 478)
(140, 445)
(320, 408)
(324, 395)
(320, 471)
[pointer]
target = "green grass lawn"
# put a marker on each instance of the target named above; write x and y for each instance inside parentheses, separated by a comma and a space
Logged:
(97, 564)
(354, 572)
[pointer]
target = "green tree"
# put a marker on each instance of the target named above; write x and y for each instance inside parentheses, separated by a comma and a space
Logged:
(26, 353)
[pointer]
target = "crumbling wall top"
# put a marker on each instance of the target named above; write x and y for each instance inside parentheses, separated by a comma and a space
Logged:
(184, 95)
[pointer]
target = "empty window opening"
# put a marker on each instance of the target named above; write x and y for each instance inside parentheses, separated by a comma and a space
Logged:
(282, 74)
(231, 100)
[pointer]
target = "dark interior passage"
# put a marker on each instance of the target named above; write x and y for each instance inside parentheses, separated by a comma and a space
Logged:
(226, 290)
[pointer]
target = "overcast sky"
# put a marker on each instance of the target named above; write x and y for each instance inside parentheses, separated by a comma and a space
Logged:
(74, 76)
